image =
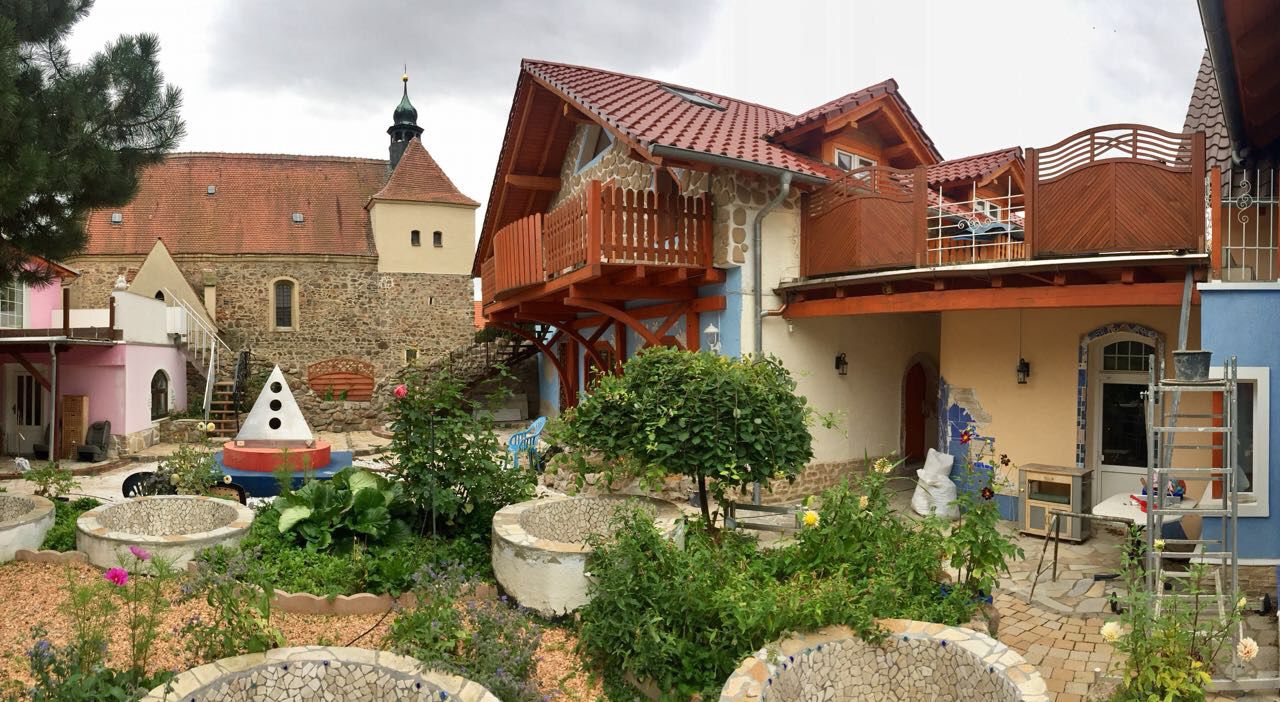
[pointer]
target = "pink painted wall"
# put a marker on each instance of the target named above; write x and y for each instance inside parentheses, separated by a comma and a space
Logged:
(41, 302)
(99, 373)
(141, 364)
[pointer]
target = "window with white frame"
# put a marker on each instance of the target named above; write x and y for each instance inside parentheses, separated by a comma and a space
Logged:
(848, 161)
(988, 208)
(12, 297)
(1253, 436)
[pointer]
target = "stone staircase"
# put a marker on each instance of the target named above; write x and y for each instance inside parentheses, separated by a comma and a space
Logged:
(479, 361)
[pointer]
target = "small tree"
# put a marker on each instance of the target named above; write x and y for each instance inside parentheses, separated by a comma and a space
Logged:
(671, 412)
(449, 458)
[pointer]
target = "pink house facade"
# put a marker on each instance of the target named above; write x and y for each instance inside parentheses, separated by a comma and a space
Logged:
(64, 369)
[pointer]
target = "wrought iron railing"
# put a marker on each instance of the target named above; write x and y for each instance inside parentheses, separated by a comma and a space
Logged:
(1245, 238)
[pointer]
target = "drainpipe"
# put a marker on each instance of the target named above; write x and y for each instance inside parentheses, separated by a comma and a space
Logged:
(757, 262)
(757, 280)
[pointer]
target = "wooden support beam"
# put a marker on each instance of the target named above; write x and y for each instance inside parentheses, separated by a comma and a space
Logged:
(28, 367)
(602, 291)
(939, 284)
(1102, 295)
(1060, 278)
(571, 113)
(621, 316)
(532, 182)
(1130, 276)
(634, 274)
(712, 303)
(897, 151)
(676, 277)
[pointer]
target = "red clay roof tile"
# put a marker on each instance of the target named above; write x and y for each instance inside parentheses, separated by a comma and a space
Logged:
(973, 167)
(252, 209)
(418, 178)
(845, 103)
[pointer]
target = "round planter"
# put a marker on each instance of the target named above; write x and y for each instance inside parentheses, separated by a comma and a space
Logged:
(172, 527)
(540, 551)
(917, 661)
(318, 672)
(24, 521)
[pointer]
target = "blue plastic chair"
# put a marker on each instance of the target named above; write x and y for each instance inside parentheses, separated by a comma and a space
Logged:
(526, 442)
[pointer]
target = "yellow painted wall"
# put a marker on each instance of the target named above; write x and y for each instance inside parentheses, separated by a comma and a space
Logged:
(1036, 422)
(393, 221)
(159, 273)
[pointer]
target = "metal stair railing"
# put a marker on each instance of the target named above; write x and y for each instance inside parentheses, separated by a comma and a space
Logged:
(202, 343)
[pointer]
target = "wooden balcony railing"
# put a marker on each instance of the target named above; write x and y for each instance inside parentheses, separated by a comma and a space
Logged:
(599, 224)
(1112, 189)
(873, 217)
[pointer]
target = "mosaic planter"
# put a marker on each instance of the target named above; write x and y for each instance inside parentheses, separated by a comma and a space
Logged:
(918, 661)
(318, 673)
(24, 520)
(540, 551)
(172, 527)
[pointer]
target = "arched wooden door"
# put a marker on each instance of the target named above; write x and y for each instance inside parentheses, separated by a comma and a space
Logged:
(914, 412)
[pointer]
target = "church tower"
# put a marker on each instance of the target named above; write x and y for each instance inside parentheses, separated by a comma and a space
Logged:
(404, 125)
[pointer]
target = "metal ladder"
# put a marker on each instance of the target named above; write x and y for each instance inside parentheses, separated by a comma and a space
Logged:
(1166, 437)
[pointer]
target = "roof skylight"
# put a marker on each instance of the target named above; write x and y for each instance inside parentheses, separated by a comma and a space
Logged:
(693, 97)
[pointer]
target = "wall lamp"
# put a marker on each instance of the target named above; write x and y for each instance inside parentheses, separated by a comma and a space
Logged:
(842, 364)
(1024, 371)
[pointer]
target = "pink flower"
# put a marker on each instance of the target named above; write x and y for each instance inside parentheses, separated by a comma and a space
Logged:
(140, 553)
(117, 576)
(401, 391)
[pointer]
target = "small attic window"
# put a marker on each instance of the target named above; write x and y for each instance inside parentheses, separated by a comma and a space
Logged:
(213, 190)
(695, 98)
(117, 218)
(594, 143)
(298, 218)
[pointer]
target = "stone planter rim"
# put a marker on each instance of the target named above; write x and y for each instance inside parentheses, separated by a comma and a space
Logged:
(91, 523)
(41, 507)
(507, 526)
(753, 676)
(196, 680)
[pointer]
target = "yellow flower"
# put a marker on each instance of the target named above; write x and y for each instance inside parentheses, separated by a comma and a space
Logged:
(1240, 603)
(1196, 664)
(1111, 632)
(210, 427)
(1247, 649)
(810, 518)
(863, 501)
(1159, 544)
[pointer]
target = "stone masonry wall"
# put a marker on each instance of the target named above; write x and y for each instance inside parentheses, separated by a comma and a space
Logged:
(614, 165)
(736, 197)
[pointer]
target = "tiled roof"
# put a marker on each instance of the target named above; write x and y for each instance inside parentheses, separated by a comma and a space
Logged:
(648, 113)
(1205, 114)
(252, 209)
(850, 101)
(973, 167)
(418, 178)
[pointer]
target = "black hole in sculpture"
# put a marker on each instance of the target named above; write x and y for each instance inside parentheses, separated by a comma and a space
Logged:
(274, 423)
(275, 405)
(276, 387)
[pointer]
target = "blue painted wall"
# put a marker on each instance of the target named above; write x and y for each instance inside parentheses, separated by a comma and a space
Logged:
(1246, 324)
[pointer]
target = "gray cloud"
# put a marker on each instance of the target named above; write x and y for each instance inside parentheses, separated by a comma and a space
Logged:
(349, 51)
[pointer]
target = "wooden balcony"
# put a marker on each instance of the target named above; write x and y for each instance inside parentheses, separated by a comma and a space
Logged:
(603, 226)
(1114, 189)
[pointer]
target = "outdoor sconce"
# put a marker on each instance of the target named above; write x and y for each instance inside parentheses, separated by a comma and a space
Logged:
(1024, 371)
(842, 364)
(712, 336)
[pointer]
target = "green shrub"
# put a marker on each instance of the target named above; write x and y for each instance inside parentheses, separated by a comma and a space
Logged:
(240, 597)
(448, 458)
(51, 480)
(190, 470)
(709, 417)
(62, 535)
(354, 506)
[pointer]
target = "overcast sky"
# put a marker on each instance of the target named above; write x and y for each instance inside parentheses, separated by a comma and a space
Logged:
(322, 76)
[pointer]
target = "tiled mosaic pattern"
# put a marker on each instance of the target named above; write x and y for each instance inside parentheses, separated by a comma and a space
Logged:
(572, 520)
(918, 661)
(318, 673)
(14, 506)
(161, 517)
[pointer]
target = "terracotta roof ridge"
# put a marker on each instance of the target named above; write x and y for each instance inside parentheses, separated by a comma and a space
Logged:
(993, 152)
(247, 155)
(526, 62)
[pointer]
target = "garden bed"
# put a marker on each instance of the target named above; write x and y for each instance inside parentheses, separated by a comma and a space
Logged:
(24, 521)
(174, 527)
(540, 547)
(308, 672)
(916, 661)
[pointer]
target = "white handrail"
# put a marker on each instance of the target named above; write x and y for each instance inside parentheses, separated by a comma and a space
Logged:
(202, 339)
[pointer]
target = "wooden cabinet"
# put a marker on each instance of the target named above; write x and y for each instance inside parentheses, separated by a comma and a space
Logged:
(75, 423)
(1045, 488)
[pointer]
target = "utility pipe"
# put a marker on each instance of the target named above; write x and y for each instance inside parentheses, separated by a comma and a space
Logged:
(757, 258)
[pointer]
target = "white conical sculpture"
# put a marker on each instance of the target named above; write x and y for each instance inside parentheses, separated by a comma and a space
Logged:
(275, 419)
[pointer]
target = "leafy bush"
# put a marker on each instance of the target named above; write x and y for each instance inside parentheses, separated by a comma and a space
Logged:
(190, 470)
(702, 415)
(685, 618)
(282, 563)
(240, 597)
(354, 505)
(484, 640)
(62, 535)
(51, 480)
(449, 459)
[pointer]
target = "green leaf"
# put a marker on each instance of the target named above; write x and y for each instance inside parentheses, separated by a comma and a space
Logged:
(363, 479)
(291, 515)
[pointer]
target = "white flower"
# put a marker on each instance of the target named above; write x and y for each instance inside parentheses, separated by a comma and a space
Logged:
(862, 501)
(1240, 603)
(226, 479)
(1111, 632)
(1247, 649)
